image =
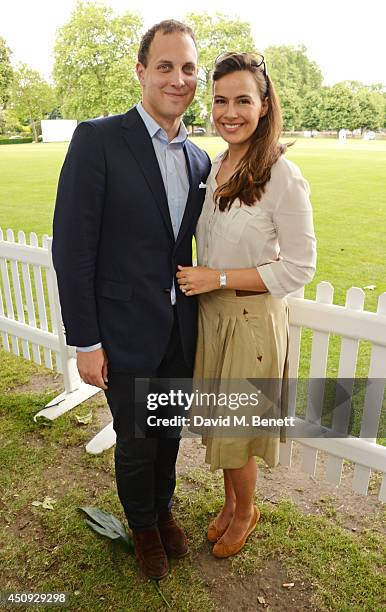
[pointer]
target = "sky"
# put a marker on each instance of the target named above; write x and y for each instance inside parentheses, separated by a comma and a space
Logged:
(346, 38)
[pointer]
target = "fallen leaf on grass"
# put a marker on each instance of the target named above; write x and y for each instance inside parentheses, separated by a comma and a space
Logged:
(47, 503)
(260, 599)
(84, 419)
(109, 526)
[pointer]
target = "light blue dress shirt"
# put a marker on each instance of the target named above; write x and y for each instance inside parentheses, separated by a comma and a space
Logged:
(172, 164)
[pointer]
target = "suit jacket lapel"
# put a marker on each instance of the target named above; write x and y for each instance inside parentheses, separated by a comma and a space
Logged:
(138, 139)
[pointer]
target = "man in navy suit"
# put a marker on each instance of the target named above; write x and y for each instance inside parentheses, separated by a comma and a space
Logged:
(127, 205)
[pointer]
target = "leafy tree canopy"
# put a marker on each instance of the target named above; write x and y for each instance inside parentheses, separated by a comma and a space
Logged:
(294, 76)
(340, 108)
(95, 56)
(6, 72)
(32, 98)
(290, 66)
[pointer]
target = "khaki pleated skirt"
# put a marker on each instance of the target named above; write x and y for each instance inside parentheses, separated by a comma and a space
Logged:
(242, 337)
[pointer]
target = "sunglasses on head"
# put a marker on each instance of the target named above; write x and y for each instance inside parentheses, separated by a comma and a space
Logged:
(256, 60)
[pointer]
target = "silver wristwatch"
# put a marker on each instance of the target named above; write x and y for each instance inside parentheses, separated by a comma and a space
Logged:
(223, 279)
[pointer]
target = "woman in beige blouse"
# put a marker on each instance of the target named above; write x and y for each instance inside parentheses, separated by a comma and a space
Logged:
(255, 245)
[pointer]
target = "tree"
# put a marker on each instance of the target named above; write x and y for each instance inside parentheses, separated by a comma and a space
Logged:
(291, 106)
(372, 109)
(32, 98)
(340, 108)
(357, 86)
(384, 112)
(9, 122)
(216, 34)
(95, 56)
(354, 86)
(377, 88)
(312, 109)
(294, 76)
(195, 114)
(370, 102)
(6, 72)
(289, 66)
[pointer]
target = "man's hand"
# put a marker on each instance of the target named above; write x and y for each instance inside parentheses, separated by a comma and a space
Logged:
(92, 367)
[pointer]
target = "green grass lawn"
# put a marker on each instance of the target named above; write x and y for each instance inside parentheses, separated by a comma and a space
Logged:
(347, 185)
(29, 176)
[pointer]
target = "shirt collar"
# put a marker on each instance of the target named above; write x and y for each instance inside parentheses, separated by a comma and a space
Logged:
(155, 129)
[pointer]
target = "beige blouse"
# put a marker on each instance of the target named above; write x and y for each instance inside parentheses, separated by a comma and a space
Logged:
(276, 235)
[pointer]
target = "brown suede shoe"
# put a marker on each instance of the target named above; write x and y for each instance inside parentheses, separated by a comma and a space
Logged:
(150, 553)
(172, 535)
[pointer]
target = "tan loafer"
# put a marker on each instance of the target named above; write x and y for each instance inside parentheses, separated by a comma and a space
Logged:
(222, 550)
(214, 533)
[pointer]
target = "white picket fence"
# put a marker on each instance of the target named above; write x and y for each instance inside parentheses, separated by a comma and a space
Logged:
(353, 325)
(30, 316)
(31, 326)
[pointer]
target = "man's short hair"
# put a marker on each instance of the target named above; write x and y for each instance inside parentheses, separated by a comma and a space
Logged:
(168, 26)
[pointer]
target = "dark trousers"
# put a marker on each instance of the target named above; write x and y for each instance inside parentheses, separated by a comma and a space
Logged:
(144, 466)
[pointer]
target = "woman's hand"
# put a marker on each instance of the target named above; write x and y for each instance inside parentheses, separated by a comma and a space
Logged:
(198, 279)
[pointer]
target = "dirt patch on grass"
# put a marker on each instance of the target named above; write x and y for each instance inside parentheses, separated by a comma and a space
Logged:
(66, 473)
(41, 383)
(315, 495)
(263, 590)
(70, 470)
(25, 525)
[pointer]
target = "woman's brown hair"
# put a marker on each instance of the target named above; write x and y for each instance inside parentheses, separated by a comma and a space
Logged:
(254, 170)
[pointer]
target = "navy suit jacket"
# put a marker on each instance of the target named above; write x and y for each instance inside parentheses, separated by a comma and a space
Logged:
(114, 250)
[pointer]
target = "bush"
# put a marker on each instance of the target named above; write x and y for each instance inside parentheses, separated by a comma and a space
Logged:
(4, 141)
(26, 130)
